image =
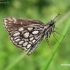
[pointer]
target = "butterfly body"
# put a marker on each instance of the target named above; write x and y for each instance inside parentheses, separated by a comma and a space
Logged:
(26, 33)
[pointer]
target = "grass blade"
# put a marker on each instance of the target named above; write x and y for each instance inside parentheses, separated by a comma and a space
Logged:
(46, 65)
(13, 63)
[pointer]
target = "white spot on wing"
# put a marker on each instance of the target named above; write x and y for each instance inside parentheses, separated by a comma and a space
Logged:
(16, 37)
(31, 38)
(11, 38)
(26, 34)
(17, 40)
(25, 43)
(33, 41)
(35, 32)
(16, 34)
(24, 48)
(5, 21)
(28, 46)
(14, 20)
(21, 42)
(21, 29)
(29, 29)
(10, 19)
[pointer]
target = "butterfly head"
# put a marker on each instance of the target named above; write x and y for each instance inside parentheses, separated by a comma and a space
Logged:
(50, 27)
(53, 21)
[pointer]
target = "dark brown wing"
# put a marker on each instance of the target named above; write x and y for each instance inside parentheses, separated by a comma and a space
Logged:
(24, 33)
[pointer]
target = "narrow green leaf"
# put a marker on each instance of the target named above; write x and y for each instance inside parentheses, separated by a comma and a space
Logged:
(46, 65)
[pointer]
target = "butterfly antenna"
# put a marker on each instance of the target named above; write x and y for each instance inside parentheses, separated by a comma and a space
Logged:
(57, 16)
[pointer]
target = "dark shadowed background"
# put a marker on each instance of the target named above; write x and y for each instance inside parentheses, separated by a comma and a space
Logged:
(13, 58)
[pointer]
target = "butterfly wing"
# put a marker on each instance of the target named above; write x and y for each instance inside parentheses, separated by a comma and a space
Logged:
(24, 33)
(35, 44)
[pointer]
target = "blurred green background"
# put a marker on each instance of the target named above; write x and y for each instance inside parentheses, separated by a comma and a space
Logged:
(13, 58)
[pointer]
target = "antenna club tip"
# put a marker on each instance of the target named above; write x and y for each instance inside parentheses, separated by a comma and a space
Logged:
(59, 13)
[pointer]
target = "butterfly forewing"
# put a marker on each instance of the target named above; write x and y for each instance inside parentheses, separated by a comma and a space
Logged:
(24, 33)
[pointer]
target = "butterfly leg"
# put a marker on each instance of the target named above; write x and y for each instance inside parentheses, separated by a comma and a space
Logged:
(55, 37)
(57, 33)
(49, 43)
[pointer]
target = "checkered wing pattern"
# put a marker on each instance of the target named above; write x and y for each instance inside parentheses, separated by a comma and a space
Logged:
(24, 33)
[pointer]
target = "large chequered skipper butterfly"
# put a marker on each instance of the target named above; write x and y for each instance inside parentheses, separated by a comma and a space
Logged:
(26, 33)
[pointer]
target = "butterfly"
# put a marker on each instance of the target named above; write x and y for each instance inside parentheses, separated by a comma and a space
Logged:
(27, 33)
